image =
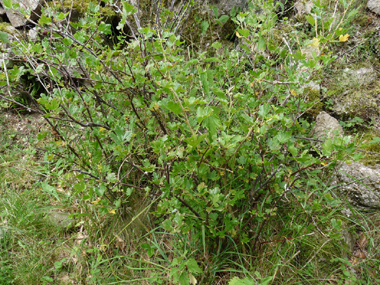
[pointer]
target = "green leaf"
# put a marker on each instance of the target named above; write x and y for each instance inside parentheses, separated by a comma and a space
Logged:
(4, 37)
(39, 68)
(216, 12)
(212, 124)
(62, 16)
(128, 8)
(67, 41)
(223, 19)
(238, 281)
(203, 112)
(99, 191)
(192, 266)
(111, 177)
(375, 140)
(79, 187)
(174, 107)
(311, 20)
(50, 190)
(204, 27)
(266, 280)
(212, 59)
(205, 83)
(195, 140)
(59, 264)
(7, 4)
(233, 12)
(327, 147)
(261, 43)
(44, 20)
(244, 32)
(216, 45)
(220, 93)
(167, 225)
(283, 137)
(263, 110)
(184, 278)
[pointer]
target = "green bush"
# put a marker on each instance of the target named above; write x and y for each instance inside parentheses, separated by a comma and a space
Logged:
(218, 143)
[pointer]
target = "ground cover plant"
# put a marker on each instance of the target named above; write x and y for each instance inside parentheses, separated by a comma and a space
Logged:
(185, 166)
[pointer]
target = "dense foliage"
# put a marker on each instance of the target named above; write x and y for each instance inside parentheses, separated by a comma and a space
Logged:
(215, 140)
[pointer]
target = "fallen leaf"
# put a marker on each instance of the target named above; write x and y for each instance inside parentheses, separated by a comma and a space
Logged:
(363, 242)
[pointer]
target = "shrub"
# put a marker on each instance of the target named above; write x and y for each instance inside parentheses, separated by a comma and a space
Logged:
(218, 143)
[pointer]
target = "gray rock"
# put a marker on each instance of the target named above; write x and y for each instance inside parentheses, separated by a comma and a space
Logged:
(362, 76)
(32, 34)
(357, 100)
(360, 184)
(325, 125)
(303, 8)
(374, 6)
(313, 86)
(16, 18)
(225, 6)
(60, 219)
(349, 240)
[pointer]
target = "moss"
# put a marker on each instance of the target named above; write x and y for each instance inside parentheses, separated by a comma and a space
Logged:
(370, 158)
(82, 5)
(313, 95)
(362, 20)
(4, 27)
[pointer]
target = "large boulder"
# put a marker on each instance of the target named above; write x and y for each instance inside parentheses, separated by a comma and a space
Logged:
(359, 184)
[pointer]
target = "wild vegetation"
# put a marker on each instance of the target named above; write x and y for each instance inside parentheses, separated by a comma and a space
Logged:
(177, 164)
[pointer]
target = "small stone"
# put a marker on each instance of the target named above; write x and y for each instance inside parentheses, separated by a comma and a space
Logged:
(60, 219)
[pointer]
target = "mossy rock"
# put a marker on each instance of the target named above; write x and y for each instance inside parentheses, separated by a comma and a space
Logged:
(312, 93)
(356, 93)
(371, 158)
(4, 27)
(82, 5)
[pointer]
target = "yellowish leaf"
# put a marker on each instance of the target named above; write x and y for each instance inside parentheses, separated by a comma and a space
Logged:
(192, 279)
(238, 35)
(96, 201)
(101, 129)
(293, 92)
(344, 38)
(315, 42)
(112, 212)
